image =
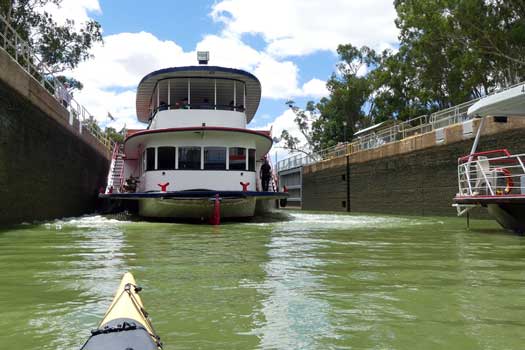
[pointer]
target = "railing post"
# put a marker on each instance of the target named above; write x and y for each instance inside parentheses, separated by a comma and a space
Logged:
(28, 62)
(80, 119)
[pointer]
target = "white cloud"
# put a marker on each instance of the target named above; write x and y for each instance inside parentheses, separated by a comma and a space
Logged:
(121, 105)
(290, 27)
(285, 121)
(125, 58)
(315, 88)
(77, 10)
(279, 79)
(300, 27)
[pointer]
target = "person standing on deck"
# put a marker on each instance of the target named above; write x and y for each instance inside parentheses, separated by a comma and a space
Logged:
(265, 173)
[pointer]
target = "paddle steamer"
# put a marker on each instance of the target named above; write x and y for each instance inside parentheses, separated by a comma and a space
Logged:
(196, 149)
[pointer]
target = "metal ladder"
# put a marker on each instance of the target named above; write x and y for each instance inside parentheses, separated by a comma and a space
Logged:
(116, 170)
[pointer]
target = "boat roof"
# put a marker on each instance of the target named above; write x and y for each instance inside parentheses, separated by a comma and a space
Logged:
(147, 85)
(510, 102)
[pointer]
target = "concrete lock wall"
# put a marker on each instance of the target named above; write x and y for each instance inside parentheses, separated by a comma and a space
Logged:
(416, 176)
(47, 168)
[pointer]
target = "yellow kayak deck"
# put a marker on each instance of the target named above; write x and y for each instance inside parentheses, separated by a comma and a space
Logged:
(125, 324)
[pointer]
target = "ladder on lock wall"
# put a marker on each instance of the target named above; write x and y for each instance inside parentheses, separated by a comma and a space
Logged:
(116, 170)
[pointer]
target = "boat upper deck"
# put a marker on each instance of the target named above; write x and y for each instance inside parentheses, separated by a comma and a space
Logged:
(198, 87)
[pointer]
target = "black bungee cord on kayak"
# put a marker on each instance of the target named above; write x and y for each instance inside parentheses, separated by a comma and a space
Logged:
(123, 325)
(142, 311)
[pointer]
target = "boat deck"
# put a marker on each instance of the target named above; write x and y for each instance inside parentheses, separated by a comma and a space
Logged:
(196, 194)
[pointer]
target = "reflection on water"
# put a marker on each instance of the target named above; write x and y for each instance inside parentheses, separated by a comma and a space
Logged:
(294, 316)
(311, 281)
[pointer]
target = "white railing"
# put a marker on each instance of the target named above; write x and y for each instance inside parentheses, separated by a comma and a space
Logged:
(22, 53)
(492, 173)
(398, 131)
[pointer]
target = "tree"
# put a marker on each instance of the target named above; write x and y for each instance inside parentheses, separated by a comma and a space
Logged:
(114, 135)
(332, 120)
(60, 47)
(450, 52)
(462, 48)
(304, 119)
(350, 102)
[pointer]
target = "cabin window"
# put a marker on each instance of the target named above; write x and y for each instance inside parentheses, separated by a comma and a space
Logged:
(166, 158)
(150, 159)
(237, 158)
(251, 159)
(202, 93)
(215, 158)
(199, 93)
(189, 158)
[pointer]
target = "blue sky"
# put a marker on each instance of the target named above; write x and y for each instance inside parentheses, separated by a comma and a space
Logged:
(288, 44)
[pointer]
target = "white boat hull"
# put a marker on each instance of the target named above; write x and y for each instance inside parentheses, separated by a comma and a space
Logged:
(198, 208)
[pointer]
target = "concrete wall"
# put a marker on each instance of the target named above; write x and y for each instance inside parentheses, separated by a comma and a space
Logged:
(292, 179)
(47, 168)
(413, 176)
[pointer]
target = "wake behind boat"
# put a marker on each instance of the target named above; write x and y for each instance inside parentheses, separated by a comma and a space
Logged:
(126, 324)
(197, 158)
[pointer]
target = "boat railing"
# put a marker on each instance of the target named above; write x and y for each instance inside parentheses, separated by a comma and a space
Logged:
(491, 173)
(200, 106)
(19, 50)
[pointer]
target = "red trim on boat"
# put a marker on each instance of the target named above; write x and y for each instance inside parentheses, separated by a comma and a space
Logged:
(484, 153)
(502, 199)
(492, 197)
(200, 128)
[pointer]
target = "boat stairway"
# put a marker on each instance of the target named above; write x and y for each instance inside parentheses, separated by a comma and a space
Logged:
(116, 170)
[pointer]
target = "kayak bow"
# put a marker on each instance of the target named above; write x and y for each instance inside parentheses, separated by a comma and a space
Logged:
(126, 324)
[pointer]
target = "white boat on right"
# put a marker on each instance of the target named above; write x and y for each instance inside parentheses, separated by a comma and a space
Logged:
(495, 179)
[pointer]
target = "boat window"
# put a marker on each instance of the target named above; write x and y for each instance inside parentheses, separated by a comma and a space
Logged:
(251, 159)
(215, 158)
(150, 159)
(189, 158)
(202, 93)
(230, 95)
(199, 93)
(237, 158)
(179, 93)
(166, 158)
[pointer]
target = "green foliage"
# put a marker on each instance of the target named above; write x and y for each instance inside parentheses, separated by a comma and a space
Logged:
(114, 135)
(303, 119)
(109, 132)
(71, 82)
(60, 47)
(450, 52)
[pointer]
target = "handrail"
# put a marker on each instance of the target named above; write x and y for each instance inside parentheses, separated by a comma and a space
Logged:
(28, 60)
(398, 131)
(484, 153)
(482, 178)
(194, 106)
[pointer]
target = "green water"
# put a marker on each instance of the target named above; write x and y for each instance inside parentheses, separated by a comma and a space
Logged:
(315, 281)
